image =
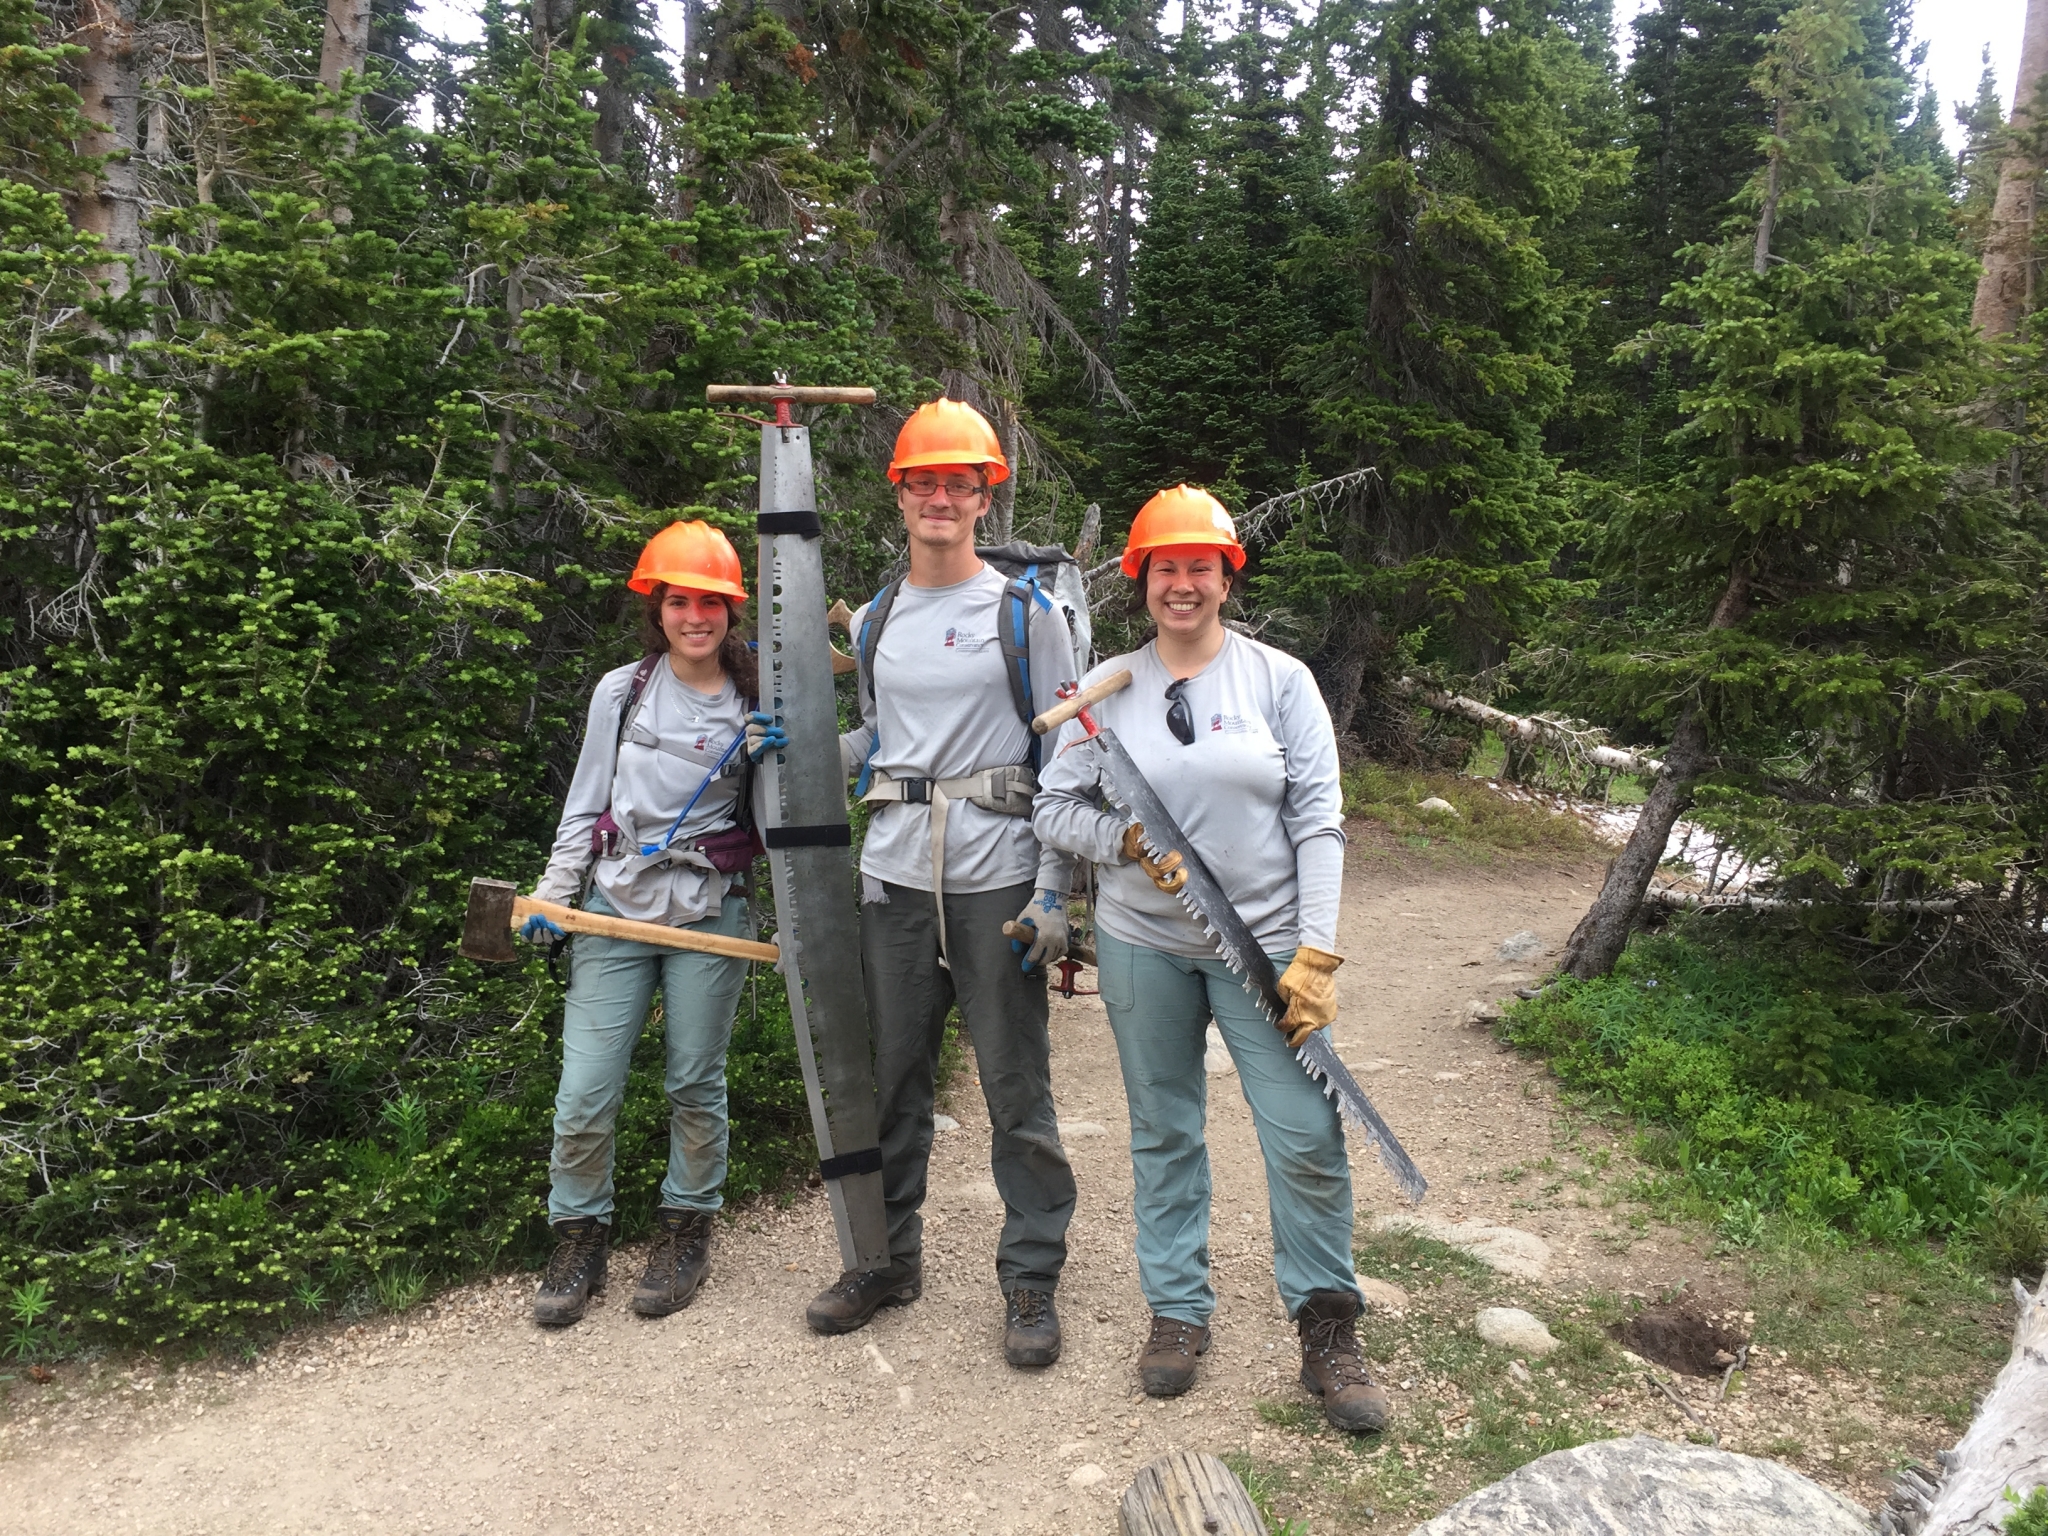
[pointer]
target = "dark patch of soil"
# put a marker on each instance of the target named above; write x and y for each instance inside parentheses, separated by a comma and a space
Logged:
(1679, 1339)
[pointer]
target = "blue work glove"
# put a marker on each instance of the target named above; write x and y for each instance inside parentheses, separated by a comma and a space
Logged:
(1046, 915)
(764, 735)
(541, 930)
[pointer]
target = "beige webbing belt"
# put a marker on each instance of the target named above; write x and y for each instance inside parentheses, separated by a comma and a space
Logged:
(1007, 791)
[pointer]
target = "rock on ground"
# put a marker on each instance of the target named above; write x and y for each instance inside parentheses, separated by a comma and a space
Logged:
(1436, 805)
(1644, 1486)
(1507, 1249)
(1512, 1328)
(1520, 946)
(1382, 1295)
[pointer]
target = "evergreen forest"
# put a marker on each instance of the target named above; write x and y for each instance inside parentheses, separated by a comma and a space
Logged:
(1685, 406)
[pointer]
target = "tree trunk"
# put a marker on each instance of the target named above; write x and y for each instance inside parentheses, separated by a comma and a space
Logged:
(2006, 290)
(108, 202)
(345, 45)
(1002, 510)
(1767, 216)
(2006, 1445)
(1603, 932)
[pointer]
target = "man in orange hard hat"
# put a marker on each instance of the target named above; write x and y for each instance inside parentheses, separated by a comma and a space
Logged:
(954, 659)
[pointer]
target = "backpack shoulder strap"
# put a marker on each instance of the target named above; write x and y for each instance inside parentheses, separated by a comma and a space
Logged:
(1013, 633)
(634, 689)
(871, 625)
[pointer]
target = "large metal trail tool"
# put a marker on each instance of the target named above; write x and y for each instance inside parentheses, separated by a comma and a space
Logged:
(801, 808)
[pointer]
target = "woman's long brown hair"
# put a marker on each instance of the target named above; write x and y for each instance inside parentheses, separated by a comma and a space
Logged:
(736, 659)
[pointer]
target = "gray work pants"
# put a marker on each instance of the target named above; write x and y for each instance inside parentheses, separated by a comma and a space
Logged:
(1004, 1010)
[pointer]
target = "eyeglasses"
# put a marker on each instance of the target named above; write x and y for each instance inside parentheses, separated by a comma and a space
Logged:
(1179, 718)
(928, 485)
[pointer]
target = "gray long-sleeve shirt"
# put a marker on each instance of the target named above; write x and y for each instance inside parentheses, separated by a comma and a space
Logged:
(940, 700)
(674, 738)
(1257, 794)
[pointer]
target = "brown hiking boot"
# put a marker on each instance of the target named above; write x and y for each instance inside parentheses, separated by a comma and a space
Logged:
(682, 1252)
(1332, 1367)
(1031, 1328)
(858, 1295)
(575, 1273)
(1167, 1367)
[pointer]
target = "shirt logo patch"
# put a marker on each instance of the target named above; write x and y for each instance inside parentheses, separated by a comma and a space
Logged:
(951, 635)
(703, 739)
(1231, 725)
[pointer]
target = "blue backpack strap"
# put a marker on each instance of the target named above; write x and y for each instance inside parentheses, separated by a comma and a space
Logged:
(870, 638)
(1013, 627)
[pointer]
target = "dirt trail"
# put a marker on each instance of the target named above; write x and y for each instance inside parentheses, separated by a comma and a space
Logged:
(464, 1417)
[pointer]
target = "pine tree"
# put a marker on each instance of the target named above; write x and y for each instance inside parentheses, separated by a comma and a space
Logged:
(1450, 358)
(1814, 581)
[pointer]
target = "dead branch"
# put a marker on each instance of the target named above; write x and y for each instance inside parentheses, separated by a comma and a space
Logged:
(1575, 737)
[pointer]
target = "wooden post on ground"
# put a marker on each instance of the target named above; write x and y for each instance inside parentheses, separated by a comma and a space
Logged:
(1187, 1493)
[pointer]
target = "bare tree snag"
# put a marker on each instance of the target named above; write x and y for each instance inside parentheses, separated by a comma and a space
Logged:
(2005, 1447)
(2006, 290)
(345, 45)
(1532, 728)
(1698, 901)
(109, 198)
(1603, 932)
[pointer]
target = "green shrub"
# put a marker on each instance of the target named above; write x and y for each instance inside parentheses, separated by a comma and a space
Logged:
(1769, 1083)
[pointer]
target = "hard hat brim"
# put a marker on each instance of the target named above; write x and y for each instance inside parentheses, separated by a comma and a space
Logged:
(1134, 555)
(996, 470)
(689, 581)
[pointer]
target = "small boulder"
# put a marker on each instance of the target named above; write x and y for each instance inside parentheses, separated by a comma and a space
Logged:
(1078, 1129)
(1520, 946)
(1479, 1011)
(1650, 1487)
(1086, 1476)
(944, 1123)
(1512, 1328)
(1382, 1295)
(1216, 1057)
(1507, 1249)
(1436, 805)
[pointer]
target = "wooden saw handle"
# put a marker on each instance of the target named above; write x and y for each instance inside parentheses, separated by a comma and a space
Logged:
(572, 921)
(1066, 709)
(797, 394)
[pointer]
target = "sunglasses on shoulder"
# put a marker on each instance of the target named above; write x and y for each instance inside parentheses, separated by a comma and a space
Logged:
(1179, 718)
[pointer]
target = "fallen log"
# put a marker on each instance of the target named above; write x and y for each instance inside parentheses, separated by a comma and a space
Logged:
(1573, 738)
(1187, 1493)
(2005, 1447)
(1699, 901)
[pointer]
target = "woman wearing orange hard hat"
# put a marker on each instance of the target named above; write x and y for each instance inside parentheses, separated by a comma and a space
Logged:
(1234, 738)
(656, 826)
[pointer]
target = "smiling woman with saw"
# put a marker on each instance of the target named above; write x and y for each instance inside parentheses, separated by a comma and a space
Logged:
(656, 827)
(1234, 738)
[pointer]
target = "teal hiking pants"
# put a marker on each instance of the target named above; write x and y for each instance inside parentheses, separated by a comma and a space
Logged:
(1159, 1007)
(611, 985)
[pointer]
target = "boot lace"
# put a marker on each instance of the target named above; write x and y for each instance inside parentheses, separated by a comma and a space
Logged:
(1171, 1336)
(1332, 1343)
(1029, 1307)
(571, 1256)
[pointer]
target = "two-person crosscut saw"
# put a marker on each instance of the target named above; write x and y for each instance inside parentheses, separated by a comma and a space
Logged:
(800, 805)
(1130, 792)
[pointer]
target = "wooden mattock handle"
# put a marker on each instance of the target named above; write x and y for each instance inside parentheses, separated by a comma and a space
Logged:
(573, 921)
(796, 394)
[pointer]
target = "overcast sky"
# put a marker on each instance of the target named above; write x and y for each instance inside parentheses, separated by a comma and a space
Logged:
(1956, 33)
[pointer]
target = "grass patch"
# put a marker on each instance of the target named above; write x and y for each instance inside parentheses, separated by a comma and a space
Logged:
(1773, 1090)
(1485, 821)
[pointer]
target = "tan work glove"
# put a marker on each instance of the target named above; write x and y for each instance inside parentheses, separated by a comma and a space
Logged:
(1166, 872)
(1310, 988)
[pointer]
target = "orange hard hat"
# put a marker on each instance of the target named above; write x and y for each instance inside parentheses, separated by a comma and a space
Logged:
(949, 432)
(692, 555)
(1183, 515)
